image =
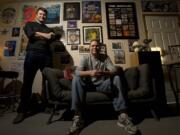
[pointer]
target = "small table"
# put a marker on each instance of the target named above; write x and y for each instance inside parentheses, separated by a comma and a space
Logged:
(171, 66)
(5, 96)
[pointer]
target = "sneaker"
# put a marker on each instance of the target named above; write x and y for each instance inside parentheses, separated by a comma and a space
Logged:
(19, 118)
(125, 122)
(77, 126)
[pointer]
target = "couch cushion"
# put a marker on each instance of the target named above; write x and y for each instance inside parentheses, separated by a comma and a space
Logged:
(132, 75)
(92, 97)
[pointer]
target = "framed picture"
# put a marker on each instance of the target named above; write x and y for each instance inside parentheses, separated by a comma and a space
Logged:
(121, 20)
(103, 49)
(54, 13)
(159, 6)
(84, 49)
(92, 32)
(91, 12)
(119, 56)
(72, 11)
(71, 24)
(74, 47)
(29, 13)
(9, 48)
(117, 45)
(73, 36)
(15, 32)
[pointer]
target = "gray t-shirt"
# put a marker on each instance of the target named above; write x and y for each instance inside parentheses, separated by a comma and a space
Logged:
(89, 62)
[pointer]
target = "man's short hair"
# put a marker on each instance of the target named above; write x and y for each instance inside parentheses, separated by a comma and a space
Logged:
(42, 9)
(95, 40)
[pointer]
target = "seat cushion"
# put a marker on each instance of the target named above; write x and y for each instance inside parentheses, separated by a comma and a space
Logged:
(93, 97)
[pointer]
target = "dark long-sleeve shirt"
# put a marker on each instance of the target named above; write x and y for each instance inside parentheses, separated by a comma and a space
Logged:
(35, 43)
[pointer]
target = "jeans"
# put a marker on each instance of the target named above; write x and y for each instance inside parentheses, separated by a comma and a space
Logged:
(33, 62)
(109, 86)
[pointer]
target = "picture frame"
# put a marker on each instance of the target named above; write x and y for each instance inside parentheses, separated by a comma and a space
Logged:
(15, 31)
(159, 6)
(103, 49)
(91, 12)
(92, 32)
(84, 49)
(54, 13)
(73, 36)
(119, 56)
(10, 48)
(71, 24)
(121, 20)
(29, 13)
(71, 11)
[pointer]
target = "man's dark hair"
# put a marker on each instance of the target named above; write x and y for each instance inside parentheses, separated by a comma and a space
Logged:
(42, 9)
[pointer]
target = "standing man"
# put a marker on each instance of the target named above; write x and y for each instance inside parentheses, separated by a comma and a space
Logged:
(96, 71)
(37, 57)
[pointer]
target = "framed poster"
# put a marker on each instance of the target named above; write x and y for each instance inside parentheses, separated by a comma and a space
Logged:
(54, 12)
(9, 48)
(29, 13)
(8, 15)
(72, 11)
(71, 24)
(121, 20)
(73, 36)
(15, 32)
(92, 32)
(91, 12)
(159, 6)
(119, 56)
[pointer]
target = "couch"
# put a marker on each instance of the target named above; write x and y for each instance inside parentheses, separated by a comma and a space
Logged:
(137, 81)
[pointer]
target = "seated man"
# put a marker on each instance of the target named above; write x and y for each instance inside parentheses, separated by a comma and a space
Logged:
(96, 71)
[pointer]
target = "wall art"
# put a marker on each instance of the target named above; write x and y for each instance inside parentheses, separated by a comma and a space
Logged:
(121, 20)
(54, 12)
(72, 11)
(92, 32)
(159, 6)
(91, 12)
(73, 36)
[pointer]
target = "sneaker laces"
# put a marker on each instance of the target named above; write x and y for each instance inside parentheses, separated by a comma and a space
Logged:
(77, 125)
(126, 122)
(76, 121)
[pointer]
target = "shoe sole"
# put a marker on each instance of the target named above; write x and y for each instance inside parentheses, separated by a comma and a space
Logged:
(122, 126)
